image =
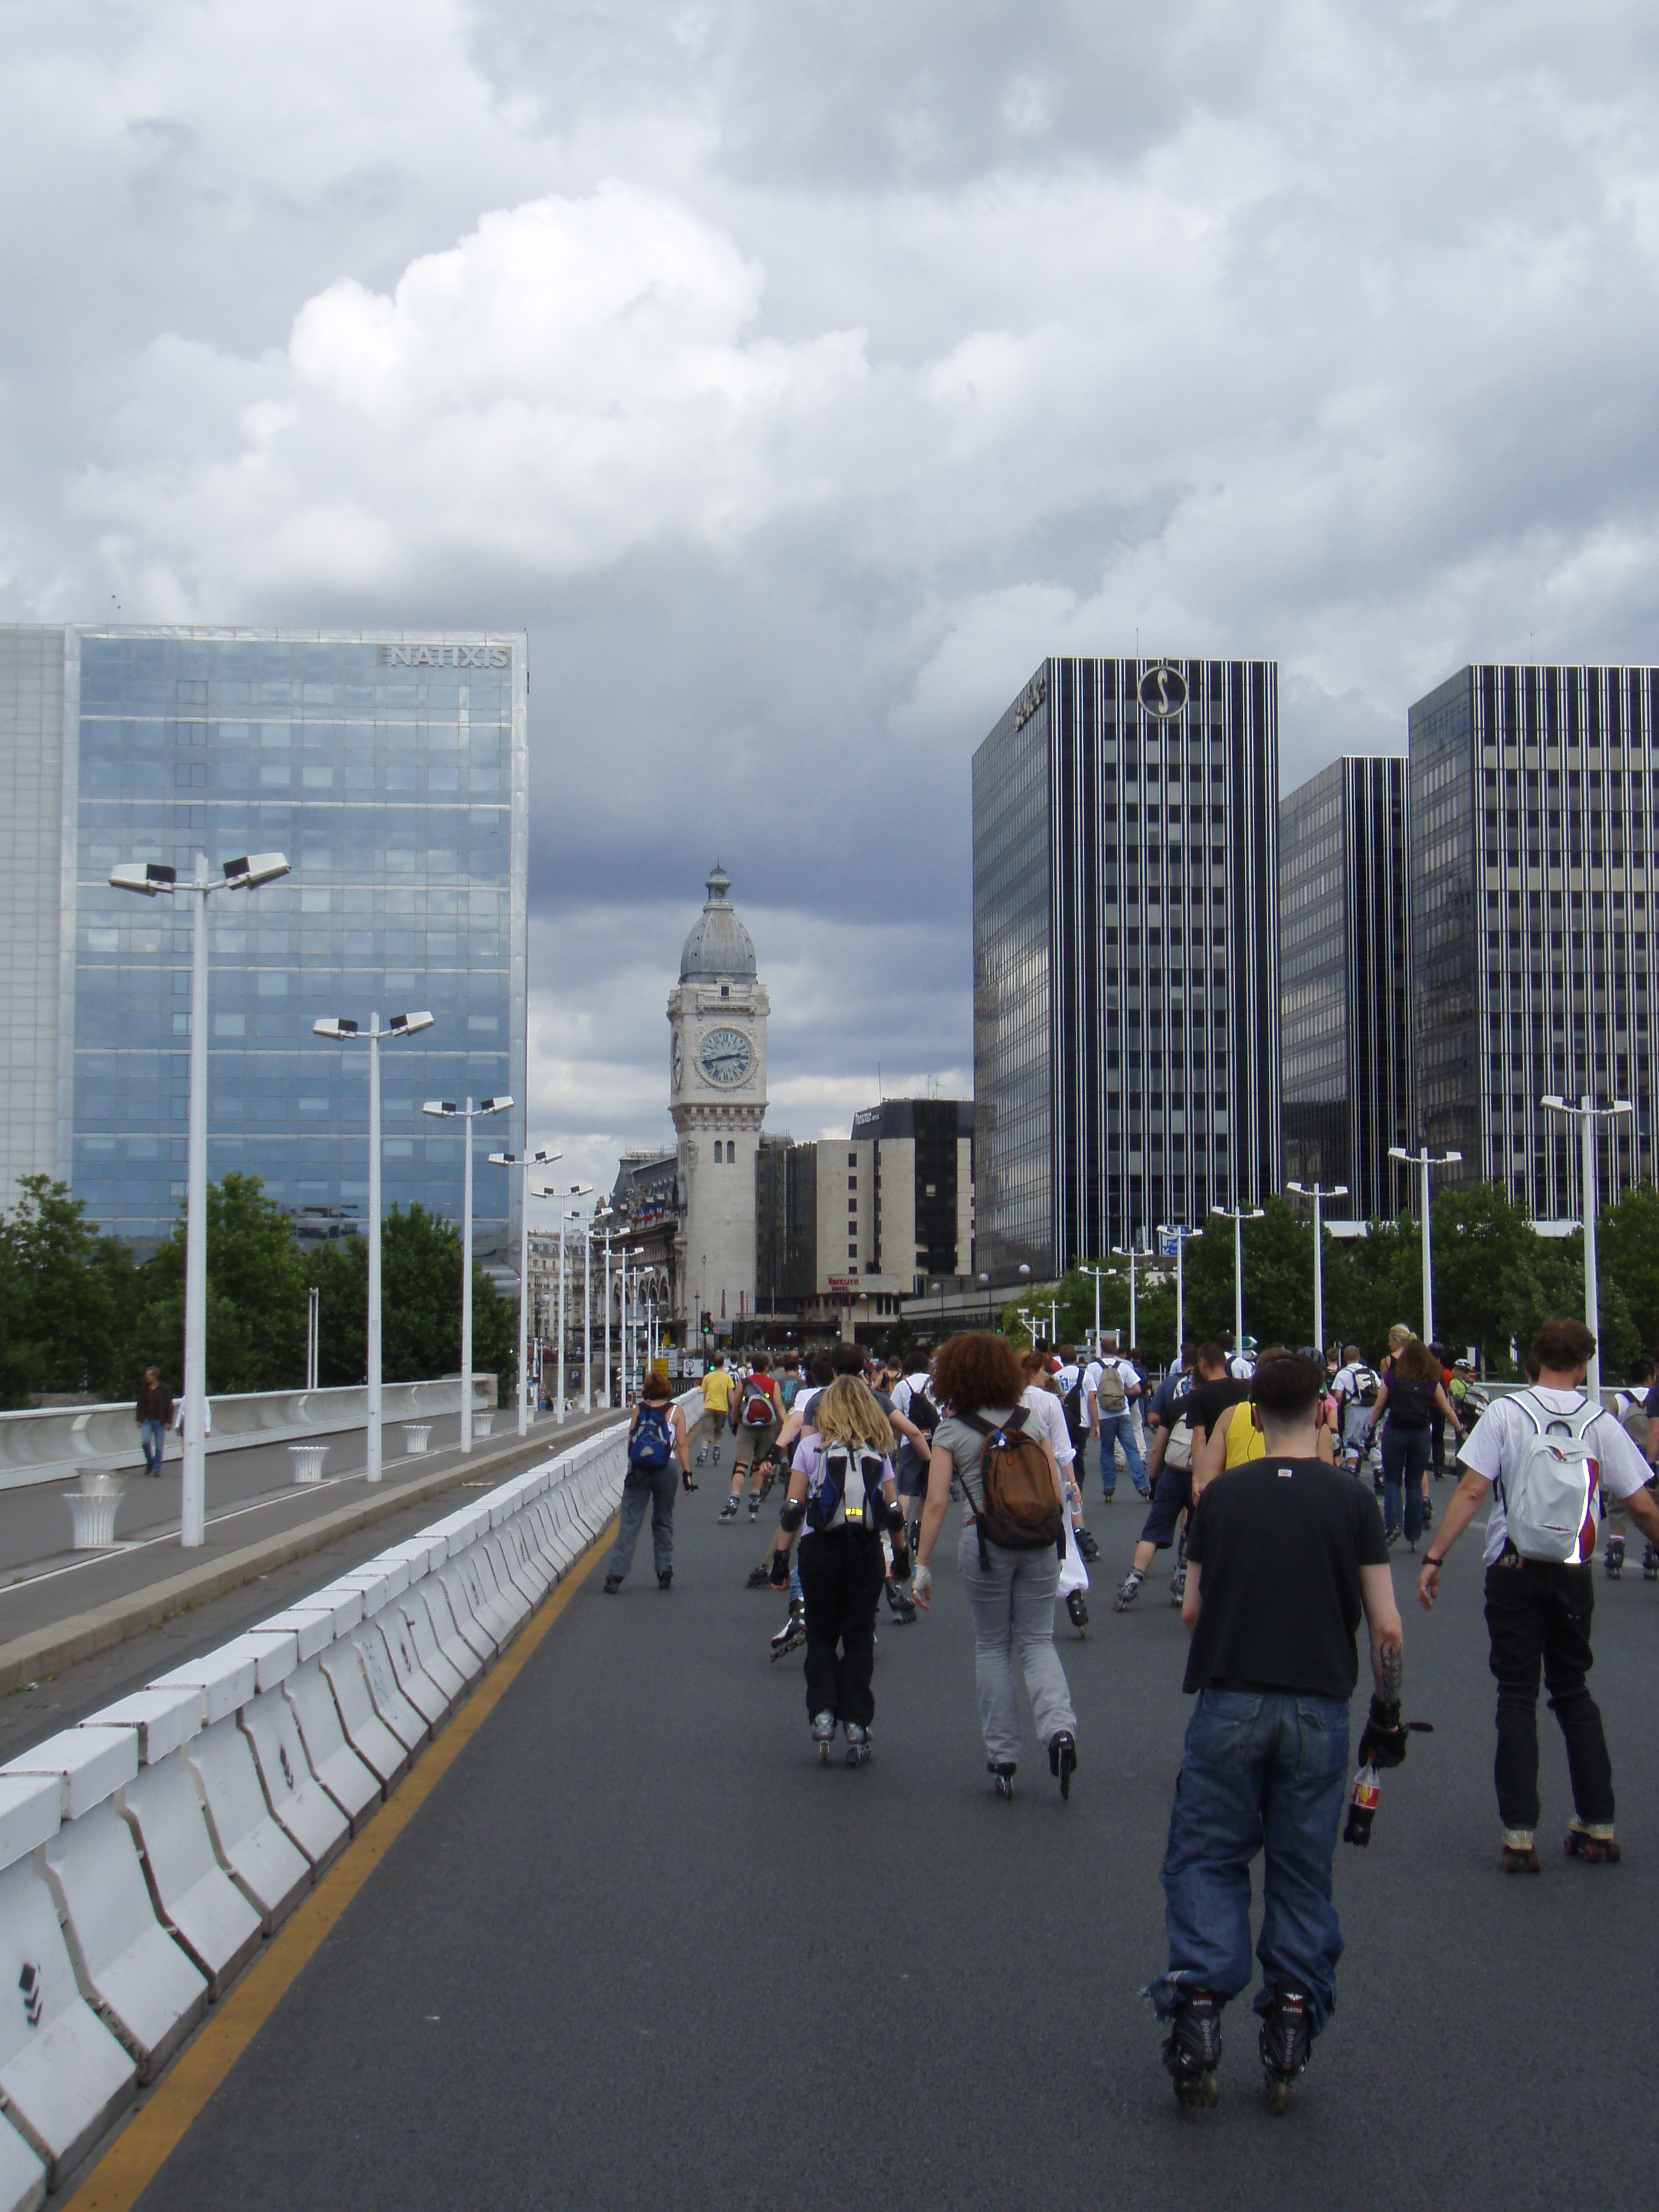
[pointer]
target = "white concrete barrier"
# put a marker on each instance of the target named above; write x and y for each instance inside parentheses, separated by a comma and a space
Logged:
(417, 1438)
(410, 1728)
(63, 2074)
(298, 1800)
(136, 1978)
(378, 1747)
(451, 1679)
(391, 1631)
(354, 1786)
(465, 1600)
(22, 2176)
(431, 1593)
(272, 1873)
(197, 1900)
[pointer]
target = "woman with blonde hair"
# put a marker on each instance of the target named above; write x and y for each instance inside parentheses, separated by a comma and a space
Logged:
(841, 1496)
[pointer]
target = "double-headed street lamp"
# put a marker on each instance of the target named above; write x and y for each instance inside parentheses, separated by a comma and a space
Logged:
(446, 1109)
(1097, 1272)
(1425, 1160)
(1127, 1252)
(606, 1216)
(524, 1160)
(151, 879)
(1238, 1215)
(1587, 1113)
(1319, 1193)
(343, 1031)
(566, 1213)
(1167, 1232)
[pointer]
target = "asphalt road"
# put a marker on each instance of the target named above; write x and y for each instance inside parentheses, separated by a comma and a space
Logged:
(640, 1949)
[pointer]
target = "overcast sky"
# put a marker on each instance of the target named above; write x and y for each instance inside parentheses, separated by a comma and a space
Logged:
(799, 376)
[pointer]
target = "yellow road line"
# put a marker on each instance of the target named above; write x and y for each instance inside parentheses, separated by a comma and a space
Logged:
(134, 2160)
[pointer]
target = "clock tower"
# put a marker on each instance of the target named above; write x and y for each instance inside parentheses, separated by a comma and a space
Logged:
(717, 1016)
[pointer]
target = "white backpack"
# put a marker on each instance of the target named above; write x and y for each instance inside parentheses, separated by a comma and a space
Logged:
(1551, 1494)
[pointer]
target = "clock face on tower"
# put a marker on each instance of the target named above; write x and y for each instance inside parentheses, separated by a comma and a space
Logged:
(679, 1061)
(726, 1056)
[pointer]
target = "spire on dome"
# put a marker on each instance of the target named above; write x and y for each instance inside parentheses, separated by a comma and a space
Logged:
(718, 944)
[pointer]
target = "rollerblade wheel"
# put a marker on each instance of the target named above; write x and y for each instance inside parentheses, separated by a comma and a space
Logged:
(1077, 1612)
(1595, 1850)
(1200, 2089)
(1278, 2092)
(1003, 1779)
(1524, 1860)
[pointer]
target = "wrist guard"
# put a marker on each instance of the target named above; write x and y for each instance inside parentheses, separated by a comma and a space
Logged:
(792, 1516)
(1382, 1740)
(778, 1573)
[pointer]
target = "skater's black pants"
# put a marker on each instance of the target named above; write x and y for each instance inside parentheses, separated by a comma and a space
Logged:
(1539, 1614)
(842, 1572)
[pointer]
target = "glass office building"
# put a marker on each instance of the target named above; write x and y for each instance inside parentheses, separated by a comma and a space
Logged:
(1125, 948)
(392, 770)
(1344, 952)
(1534, 819)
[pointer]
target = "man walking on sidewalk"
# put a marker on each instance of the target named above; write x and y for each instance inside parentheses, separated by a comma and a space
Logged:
(155, 1415)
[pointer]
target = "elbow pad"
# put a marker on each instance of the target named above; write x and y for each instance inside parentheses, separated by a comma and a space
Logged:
(792, 1516)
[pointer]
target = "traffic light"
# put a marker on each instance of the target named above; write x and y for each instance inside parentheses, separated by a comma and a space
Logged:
(708, 1324)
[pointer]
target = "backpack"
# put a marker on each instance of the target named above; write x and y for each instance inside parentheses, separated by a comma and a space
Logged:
(758, 1411)
(1367, 1385)
(921, 1410)
(1633, 1409)
(1071, 1405)
(1110, 1397)
(1178, 1446)
(1017, 1508)
(850, 1491)
(1409, 1404)
(1550, 1500)
(652, 1444)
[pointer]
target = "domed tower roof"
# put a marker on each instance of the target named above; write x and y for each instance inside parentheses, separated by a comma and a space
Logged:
(719, 944)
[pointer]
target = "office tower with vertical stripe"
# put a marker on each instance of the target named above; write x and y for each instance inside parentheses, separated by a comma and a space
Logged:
(1126, 946)
(1343, 954)
(1534, 819)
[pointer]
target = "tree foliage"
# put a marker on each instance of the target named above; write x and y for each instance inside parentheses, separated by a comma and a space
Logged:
(420, 1306)
(61, 1296)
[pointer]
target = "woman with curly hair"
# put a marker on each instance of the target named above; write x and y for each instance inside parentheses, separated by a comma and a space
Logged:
(842, 1494)
(977, 1382)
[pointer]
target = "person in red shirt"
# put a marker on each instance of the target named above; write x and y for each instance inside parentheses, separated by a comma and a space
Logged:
(759, 1418)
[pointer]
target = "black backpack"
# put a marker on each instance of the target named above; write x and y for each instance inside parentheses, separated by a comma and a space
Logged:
(1071, 1406)
(921, 1410)
(1409, 1404)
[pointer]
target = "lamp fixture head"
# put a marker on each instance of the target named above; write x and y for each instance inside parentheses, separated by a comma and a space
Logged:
(252, 869)
(340, 1027)
(146, 877)
(409, 1025)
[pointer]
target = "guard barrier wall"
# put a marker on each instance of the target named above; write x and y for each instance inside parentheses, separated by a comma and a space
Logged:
(145, 1855)
(42, 1444)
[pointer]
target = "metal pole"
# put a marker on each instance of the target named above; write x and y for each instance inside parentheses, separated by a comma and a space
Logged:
(1134, 1310)
(374, 1441)
(558, 1409)
(587, 1317)
(193, 1528)
(1428, 1256)
(313, 1334)
(1319, 1281)
(607, 1316)
(524, 1302)
(1592, 1303)
(1097, 1276)
(1238, 1282)
(467, 1281)
(1180, 1294)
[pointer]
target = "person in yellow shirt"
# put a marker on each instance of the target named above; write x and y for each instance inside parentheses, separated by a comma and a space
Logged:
(717, 1387)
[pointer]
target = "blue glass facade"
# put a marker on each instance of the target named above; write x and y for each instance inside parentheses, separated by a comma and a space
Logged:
(392, 769)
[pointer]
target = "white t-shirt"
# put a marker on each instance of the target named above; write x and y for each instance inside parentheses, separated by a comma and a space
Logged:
(1066, 1377)
(1351, 1382)
(1240, 1369)
(1503, 1431)
(1051, 1419)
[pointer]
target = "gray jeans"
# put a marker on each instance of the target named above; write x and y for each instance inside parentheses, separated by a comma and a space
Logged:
(1013, 1605)
(652, 1488)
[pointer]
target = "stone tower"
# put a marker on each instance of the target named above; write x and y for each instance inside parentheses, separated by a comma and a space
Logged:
(717, 1016)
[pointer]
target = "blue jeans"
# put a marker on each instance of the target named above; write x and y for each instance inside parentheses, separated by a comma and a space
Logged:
(1405, 1459)
(153, 1437)
(1120, 1428)
(1263, 1770)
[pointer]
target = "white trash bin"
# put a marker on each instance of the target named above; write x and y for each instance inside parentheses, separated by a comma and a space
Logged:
(417, 1437)
(307, 1461)
(92, 1511)
(481, 1423)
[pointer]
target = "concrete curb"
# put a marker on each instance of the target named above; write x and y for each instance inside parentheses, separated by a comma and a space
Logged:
(47, 1651)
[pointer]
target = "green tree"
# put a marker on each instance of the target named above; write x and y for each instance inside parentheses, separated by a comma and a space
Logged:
(1495, 1279)
(1628, 1243)
(420, 1306)
(64, 1291)
(256, 1295)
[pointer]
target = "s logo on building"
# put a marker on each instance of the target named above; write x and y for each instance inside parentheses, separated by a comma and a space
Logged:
(1163, 690)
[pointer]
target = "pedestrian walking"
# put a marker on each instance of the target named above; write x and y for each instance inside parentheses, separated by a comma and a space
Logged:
(656, 1441)
(1110, 1385)
(841, 1500)
(1284, 1555)
(1041, 1397)
(154, 1414)
(1012, 1543)
(1630, 1407)
(1410, 1396)
(1547, 1457)
(1356, 1388)
(1192, 1397)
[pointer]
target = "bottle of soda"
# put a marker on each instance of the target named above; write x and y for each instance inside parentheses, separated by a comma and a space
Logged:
(1362, 1806)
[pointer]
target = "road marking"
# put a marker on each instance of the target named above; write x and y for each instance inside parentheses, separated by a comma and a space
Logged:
(156, 2129)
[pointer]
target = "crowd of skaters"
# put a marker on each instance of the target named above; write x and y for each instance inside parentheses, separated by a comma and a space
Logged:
(1281, 1483)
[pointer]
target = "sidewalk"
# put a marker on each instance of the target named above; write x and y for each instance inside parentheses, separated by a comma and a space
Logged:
(59, 1607)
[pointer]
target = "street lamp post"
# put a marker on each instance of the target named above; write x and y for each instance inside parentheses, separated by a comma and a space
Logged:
(151, 879)
(566, 1213)
(1238, 1215)
(1096, 1272)
(1165, 1229)
(524, 1160)
(1122, 1252)
(1425, 1160)
(343, 1030)
(1587, 1114)
(446, 1109)
(1318, 1192)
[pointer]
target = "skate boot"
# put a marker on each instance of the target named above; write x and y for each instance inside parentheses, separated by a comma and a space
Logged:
(1002, 1776)
(717, 1454)
(1287, 2043)
(1087, 1550)
(760, 1577)
(754, 1505)
(858, 1745)
(1428, 1509)
(613, 1584)
(901, 1604)
(791, 1634)
(767, 1479)
(1593, 1842)
(1650, 1563)
(1192, 2049)
(1062, 1760)
(703, 1454)
(1614, 1560)
(1520, 1853)
(729, 1510)
(1077, 1612)
(824, 1736)
(1128, 1591)
(1178, 1585)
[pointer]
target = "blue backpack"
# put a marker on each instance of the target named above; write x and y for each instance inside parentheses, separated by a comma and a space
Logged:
(652, 1444)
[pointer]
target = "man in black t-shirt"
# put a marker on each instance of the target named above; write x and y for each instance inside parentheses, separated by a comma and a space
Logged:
(1284, 1555)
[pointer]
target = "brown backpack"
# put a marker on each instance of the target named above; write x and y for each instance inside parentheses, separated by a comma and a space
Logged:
(1017, 1507)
